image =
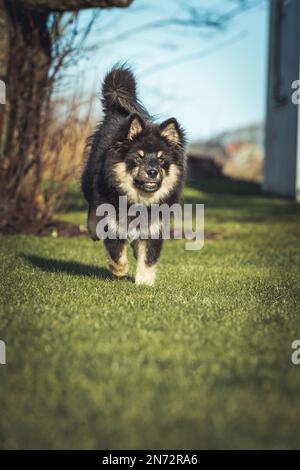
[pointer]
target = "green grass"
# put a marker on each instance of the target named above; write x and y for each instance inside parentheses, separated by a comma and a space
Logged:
(202, 360)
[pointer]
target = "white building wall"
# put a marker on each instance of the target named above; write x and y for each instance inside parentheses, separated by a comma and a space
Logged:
(282, 125)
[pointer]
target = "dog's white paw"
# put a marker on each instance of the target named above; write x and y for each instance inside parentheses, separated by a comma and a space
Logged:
(146, 276)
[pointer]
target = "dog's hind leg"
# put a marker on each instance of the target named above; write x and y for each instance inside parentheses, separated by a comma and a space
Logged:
(117, 256)
(147, 253)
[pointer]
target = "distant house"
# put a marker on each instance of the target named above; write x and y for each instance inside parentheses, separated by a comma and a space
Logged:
(206, 160)
(237, 154)
(282, 162)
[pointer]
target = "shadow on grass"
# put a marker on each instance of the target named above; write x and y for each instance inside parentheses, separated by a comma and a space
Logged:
(70, 267)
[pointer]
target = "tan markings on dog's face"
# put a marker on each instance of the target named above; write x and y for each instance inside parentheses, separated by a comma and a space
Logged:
(135, 195)
(170, 133)
(160, 156)
(168, 183)
(144, 274)
(141, 153)
(135, 172)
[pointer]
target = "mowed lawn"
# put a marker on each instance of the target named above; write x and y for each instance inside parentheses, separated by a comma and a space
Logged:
(202, 360)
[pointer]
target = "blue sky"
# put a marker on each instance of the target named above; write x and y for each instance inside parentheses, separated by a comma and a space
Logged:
(217, 80)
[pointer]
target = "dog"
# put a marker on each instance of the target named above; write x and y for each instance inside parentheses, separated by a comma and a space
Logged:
(131, 155)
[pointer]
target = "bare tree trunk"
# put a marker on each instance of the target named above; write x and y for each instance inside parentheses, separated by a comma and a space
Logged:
(25, 60)
(25, 69)
(22, 119)
(3, 60)
(28, 64)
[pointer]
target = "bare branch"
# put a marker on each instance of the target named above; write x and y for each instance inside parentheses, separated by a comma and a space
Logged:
(72, 5)
(190, 57)
(194, 20)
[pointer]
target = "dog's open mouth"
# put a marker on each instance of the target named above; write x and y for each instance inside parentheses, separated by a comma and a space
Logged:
(148, 186)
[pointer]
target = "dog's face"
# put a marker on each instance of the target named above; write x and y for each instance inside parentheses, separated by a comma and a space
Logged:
(148, 168)
(152, 158)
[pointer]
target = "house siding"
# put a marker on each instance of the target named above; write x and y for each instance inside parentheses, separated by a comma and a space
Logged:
(282, 124)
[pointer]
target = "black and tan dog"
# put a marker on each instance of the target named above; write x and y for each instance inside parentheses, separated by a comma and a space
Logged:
(130, 155)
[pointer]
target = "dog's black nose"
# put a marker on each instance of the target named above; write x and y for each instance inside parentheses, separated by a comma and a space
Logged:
(152, 172)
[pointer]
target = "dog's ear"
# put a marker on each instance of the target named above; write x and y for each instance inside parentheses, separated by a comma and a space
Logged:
(135, 127)
(171, 131)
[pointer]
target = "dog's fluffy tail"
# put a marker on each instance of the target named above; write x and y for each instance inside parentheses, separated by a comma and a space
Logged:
(119, 92)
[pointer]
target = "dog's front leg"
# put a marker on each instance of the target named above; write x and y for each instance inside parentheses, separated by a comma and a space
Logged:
(147, 253)
(117, 256)
(92, 223)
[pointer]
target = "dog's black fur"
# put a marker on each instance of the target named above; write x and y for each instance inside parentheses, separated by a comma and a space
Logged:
(130, 155)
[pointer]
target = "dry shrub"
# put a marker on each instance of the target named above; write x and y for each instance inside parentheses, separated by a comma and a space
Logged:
(63, 151)
(62, 154)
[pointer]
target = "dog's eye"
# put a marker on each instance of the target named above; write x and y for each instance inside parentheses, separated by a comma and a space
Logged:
(140, 155)
(160, 156)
